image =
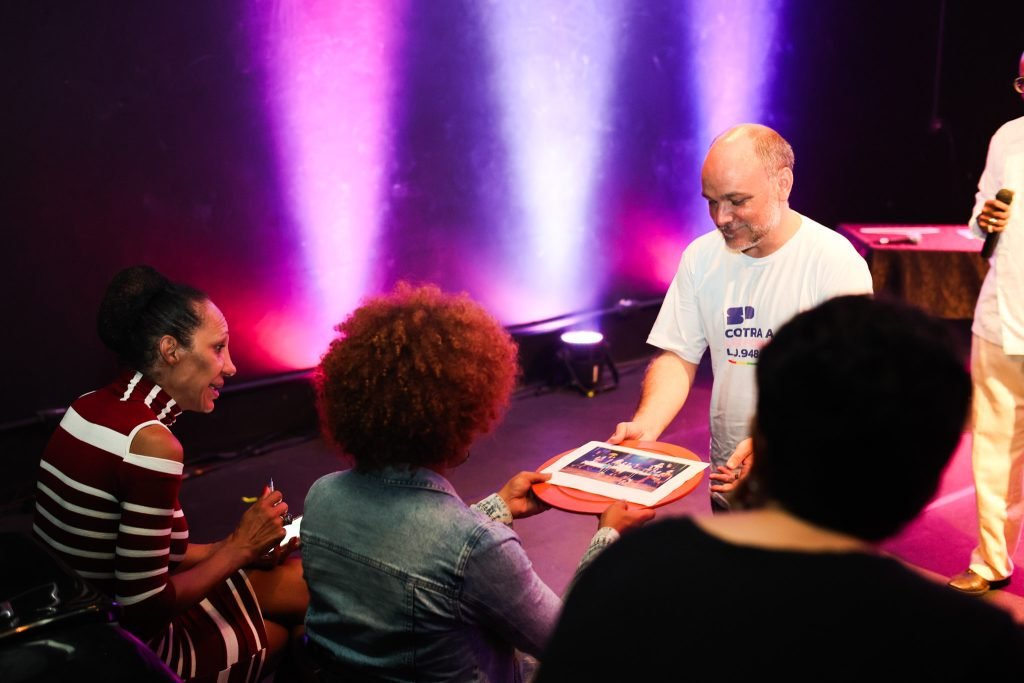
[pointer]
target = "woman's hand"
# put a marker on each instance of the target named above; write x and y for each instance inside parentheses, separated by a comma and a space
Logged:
(277, 555)
(518, 494)
(258, 533)
(621, 517)
(261, 528)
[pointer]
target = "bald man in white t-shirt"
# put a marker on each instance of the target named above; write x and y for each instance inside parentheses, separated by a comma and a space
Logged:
(734, 288)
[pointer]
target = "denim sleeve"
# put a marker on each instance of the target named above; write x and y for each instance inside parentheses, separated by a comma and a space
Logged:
(495, 508)
(502, 593)
(604, 537)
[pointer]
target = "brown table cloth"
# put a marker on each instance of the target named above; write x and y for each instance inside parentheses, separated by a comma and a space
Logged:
(942, 273)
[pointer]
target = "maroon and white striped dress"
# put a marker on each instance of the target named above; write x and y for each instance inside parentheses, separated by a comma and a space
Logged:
(114, 517)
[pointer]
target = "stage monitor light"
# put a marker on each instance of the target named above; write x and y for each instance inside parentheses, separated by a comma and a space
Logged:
(582, 337)
(587, 358)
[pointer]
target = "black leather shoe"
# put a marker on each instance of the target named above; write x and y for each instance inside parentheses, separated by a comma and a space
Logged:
(970, 583)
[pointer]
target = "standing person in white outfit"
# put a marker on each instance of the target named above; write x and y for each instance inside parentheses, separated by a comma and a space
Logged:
(734, 288)
(997, 366)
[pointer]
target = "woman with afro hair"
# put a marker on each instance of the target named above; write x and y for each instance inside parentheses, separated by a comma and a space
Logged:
(406, 581)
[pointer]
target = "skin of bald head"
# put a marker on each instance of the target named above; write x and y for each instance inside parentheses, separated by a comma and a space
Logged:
(746, 179)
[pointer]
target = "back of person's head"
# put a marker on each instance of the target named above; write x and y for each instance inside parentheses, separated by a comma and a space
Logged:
(860, 406)
(413, 378)
(141, 306)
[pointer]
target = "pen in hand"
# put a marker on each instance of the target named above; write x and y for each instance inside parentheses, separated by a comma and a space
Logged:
(286, 517)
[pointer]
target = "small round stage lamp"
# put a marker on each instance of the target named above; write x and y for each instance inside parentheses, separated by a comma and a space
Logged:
(582, 337)
(586, 356)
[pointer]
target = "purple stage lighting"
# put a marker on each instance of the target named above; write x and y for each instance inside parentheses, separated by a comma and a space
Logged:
(330, 75)
(733, 47)
(554, 65)
(480, 145)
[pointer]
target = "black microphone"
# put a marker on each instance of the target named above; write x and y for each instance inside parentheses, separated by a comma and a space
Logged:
(992, 239)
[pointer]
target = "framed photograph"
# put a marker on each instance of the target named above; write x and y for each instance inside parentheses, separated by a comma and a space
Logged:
(622, 473)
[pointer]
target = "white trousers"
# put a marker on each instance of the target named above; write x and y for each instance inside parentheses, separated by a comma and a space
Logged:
(997, 456)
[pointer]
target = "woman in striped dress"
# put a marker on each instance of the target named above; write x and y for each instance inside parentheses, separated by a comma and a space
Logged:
(107, 496)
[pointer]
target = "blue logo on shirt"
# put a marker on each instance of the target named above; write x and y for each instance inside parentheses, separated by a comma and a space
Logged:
(737, 314)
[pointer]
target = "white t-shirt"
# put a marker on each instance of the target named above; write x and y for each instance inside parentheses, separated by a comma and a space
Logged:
(999, 314)
(734, 303)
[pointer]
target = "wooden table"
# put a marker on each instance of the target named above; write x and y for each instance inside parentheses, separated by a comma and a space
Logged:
(942, 272)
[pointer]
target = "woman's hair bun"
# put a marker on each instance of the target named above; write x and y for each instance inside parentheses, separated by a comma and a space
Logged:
(127, 296)
(139, 307)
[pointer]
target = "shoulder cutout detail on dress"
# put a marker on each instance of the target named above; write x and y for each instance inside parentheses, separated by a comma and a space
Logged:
(156, 441)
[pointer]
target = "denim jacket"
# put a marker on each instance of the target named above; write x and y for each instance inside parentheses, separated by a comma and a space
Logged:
(408, 583)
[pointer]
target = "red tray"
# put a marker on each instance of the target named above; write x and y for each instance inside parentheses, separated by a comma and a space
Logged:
(582, 502)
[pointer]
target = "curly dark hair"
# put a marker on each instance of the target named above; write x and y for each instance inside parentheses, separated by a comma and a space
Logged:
(845, 387)
(139, 307)
(414, 377)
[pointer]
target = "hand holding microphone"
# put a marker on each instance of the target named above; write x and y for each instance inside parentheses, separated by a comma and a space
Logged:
(993, 220)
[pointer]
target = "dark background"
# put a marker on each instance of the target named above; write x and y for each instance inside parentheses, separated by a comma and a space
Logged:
(139, 132)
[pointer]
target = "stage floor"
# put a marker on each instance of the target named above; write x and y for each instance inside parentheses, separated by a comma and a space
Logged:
(538, 426)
